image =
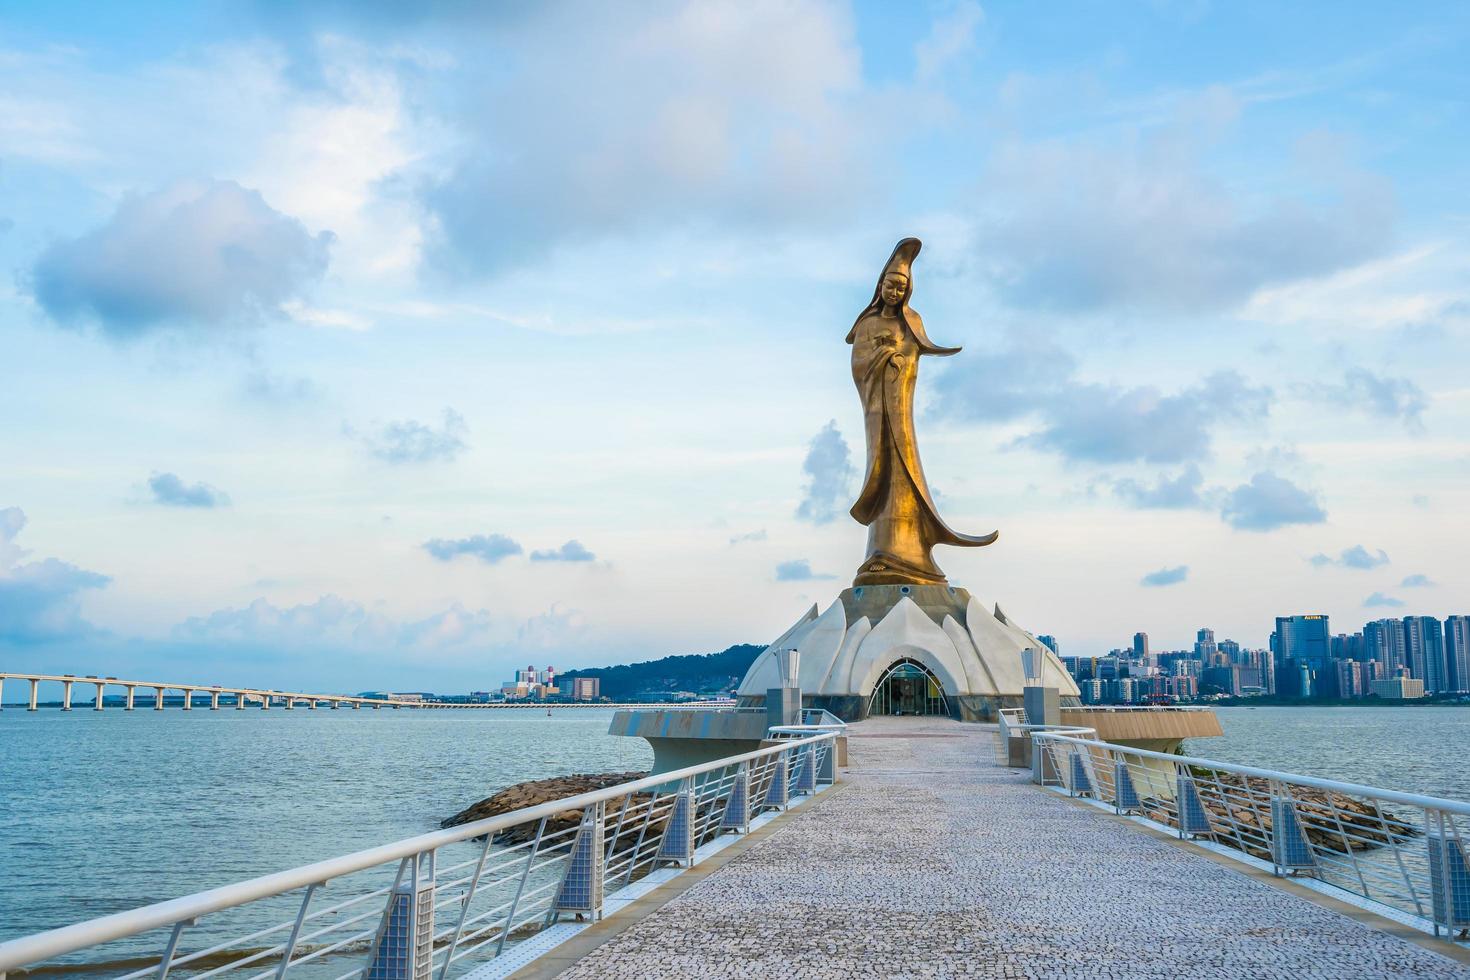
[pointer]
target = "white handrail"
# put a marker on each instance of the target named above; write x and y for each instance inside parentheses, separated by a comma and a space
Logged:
(68, 939)
(1314, 782)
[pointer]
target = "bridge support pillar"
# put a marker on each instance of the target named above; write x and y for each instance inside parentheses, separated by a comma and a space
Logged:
(34, 686)
(214, 700)
(336, 705)
(188, 699)
(290, 703)
(131, 692)
(66, 695)
(158, 699)
(265, 702)
(311, 704)
(239, 700)
(97, 705)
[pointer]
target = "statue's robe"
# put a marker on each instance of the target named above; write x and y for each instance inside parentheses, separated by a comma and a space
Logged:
(903, 523)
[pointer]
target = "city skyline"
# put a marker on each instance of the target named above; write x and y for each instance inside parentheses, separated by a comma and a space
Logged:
(1406, 657)
(413, 345)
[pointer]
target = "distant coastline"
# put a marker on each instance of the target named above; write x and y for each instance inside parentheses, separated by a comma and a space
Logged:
(1270, 702)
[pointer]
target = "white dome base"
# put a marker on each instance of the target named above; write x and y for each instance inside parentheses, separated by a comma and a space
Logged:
(975, 654)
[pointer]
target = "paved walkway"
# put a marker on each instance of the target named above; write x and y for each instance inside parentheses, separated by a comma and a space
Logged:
(933, 862)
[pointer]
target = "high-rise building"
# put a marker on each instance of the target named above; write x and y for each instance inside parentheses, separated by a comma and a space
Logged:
(1378, 641)
(1225, 679)
(1457, 653)
(1352, 680)
(1051, 642)
(1424, 641)
(1303, 639)
(1398, 648)
(586, 688)
(1140, 648)
(1204, 646)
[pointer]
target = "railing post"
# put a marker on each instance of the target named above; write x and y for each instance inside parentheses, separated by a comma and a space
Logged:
(1079, 783)
(737, 807)
(806, 776)
(404, 946)
(677, 844)
(1449, 874)
(581, 885)
(1125, 795)
(1193, 818)
(777, 795)
(827, 769)
(1291, 849)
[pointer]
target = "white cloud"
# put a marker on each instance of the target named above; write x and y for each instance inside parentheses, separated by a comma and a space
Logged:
(409, 441)
(196, 254)
(619, 118)
(170, 491)
(337, 624)
(39, 600)
(572, 550)
(828, 469)
(1141, 223)
(951, 36)
(1269, 502)
(489, 548)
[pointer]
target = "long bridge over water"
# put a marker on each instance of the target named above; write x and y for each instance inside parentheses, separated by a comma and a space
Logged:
(263, 698)
(929, 853)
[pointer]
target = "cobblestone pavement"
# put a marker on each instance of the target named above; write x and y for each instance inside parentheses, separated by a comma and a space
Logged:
(933, 862)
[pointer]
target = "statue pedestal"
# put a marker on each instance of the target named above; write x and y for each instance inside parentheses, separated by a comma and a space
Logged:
(972, 652)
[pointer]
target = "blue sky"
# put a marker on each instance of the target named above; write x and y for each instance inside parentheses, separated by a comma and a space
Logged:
(357, 347)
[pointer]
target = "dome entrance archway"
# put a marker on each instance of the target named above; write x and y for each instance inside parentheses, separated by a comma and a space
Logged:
(907, 687)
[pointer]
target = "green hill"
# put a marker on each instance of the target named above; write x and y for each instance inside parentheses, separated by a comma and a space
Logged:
(702, 673)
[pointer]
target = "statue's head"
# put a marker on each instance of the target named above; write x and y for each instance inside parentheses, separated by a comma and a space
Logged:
(893, 289)
(895, 286)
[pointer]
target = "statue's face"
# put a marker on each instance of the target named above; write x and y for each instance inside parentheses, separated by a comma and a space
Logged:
(894, 285)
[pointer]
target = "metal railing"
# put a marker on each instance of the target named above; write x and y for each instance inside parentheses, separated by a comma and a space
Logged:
(1400, 853)
(446, 900)
(821, 718)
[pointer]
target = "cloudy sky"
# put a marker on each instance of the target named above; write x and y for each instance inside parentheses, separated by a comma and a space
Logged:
(391, 347)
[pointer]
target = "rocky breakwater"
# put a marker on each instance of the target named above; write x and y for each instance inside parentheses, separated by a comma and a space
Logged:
(536, 792)
(1239, 807)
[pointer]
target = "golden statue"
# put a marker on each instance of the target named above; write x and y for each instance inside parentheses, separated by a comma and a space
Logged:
(903, 525)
